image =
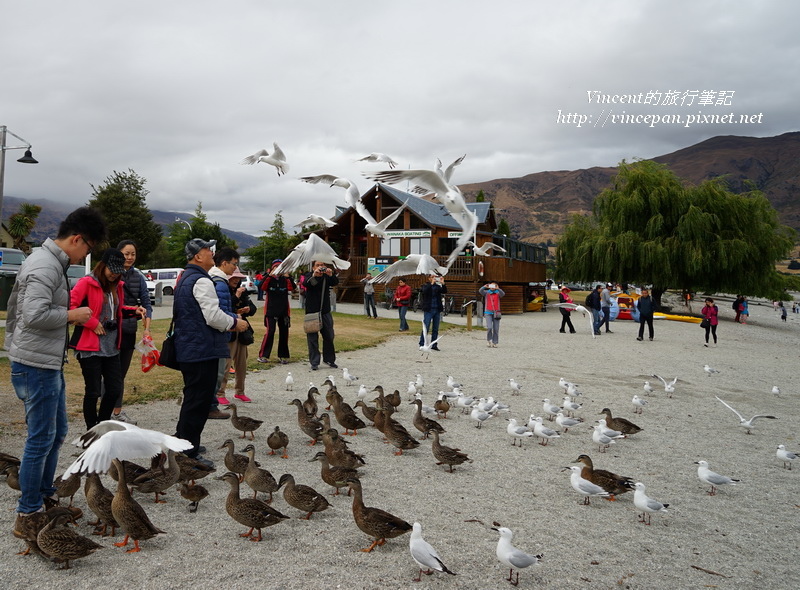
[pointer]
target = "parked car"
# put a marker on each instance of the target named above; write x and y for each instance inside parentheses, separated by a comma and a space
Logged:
(12, 259)
(166, 276)
(249, 285)
(75, 272)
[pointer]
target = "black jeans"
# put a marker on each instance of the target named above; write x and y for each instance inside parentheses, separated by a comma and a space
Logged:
(100, 372)
(282, 325)
(645, 319)
(126, 349)
(199, 390)
(566, 321)
(328, 348)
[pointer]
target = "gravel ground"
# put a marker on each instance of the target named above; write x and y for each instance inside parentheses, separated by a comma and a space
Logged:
(744, 537)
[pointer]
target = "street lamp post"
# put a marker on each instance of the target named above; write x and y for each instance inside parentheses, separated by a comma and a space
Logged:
(26, 159)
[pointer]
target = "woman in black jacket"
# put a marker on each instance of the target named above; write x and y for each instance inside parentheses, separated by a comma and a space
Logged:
(277, 314)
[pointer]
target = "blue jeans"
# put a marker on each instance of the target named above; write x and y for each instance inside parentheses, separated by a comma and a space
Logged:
(596, 320)
(492, 328)
(402, 311)
(369, 303)
(44, 394)
(606, 319)
(431, 320)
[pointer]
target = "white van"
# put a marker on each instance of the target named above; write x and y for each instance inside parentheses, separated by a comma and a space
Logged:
(166, 276)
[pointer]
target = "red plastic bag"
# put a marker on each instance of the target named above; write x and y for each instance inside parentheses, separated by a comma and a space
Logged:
(149, 352)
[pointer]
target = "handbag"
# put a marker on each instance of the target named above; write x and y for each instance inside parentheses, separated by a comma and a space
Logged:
(248, 336)
(312, 323)
(498, 315)
(706, 323)
(169, 356)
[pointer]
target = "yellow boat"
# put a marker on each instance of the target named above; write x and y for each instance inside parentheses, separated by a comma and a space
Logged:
(677, 318)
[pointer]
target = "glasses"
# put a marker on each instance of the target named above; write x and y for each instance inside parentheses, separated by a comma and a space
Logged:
(90, 246)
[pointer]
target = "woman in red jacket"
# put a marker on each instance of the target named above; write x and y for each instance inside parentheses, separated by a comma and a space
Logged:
(97, 341)
(402, 299)
(710, 312)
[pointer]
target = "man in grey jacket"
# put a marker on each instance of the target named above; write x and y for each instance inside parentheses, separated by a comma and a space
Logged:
(37, 330)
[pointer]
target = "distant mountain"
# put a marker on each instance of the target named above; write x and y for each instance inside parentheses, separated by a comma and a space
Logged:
(53, 213)
(538, 206)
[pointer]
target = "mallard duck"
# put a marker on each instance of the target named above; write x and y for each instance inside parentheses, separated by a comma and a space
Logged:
(63, 544)
(6, 460)
(442, 406)
(260, 480)
(375, 522)
(234, 461)
(381, 416)
(611, 482)
(626, 427)
(132, 470)
(325, 420)
(248, 511)
(194, 493)
(67, 488)
(277, 440)
(331, 395)
(244, 423)
(347, 417)
(159, 479)
(310, 426)
(310, 405)
(12, 476)
(191, 469)
(27, 528)
(394, 399)
(447, 455)
(381, 402)
(302, 497)
(423, 424)
(130, 515)
(369, 413)
(398, 436)
(332, 475)
(99, 499)
(337, 452)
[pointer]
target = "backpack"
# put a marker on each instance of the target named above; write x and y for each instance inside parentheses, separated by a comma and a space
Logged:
(735, 305)
(587, 303)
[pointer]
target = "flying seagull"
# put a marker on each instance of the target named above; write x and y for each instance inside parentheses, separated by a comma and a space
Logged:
(313, 220)
(748, 424)
(277, 159)
(484, 250)
(313, 248)
(379, 157)
(413, 264)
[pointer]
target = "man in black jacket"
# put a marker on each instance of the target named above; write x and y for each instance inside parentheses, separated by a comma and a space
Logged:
(593, 302)
(318, 300)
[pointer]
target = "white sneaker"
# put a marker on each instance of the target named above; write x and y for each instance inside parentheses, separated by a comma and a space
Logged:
(123, 417)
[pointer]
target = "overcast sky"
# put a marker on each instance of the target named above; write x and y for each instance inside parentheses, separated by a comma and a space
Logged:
(181, 91)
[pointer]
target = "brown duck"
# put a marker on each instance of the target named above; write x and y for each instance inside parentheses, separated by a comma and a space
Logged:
(259, 480)
(346, 417)
(626, 427)
(332, 394)
(234, 461)
(302, 497)
(244, 423)
(377, 523)
(62, 544)
(130, 515)
(398, 436)
(442, 406)
(277, 440)
(193, 492)
(381, 402)
(12, 476)
(369, 413)
(310, 426)
(611, 482)
(394, 399)
(192, 469)
(99, 499)
(423, 424)
(247, 511)
(447, 455)
(6, 460)
(334, 476)
(337, 452)
(159, 479)
(310, 405)
(67, 488)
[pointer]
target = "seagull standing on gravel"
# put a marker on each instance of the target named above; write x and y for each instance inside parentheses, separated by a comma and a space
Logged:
(452, 383)
(570, 407)
(786, 456)
(565, 422)
(543, 432)
(424, 555)
(645, 504)
(648, 389)
(277, 159)
(479, 416)
(584, 487)
(411, 391)
(572, 390)
(709, 370)
(515, 387)
(776, 390)
(517, 432)
(289, 381)
(362, 392)
(511, 557)
(550, 409)
(601, 439)
(638, 404)
(419, 382)
(713, 479)
(348, 377)
(748, 424)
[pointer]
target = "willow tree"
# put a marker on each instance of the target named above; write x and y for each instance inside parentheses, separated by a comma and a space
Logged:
(651, 228)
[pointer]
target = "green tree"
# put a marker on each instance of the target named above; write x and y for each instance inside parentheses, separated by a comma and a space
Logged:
(121, 199)
(198, 227)
(503, 228)
(275, 243)
(480, 197)
(21, 224)
(652, 229)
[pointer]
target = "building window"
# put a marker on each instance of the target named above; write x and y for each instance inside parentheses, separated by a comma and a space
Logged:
(390, 247)
(419, 246)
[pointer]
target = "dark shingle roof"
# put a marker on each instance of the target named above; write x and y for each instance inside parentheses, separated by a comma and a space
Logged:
(432, 212)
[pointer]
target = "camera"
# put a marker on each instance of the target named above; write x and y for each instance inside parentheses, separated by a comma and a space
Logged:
(323, 269)
(110, 325)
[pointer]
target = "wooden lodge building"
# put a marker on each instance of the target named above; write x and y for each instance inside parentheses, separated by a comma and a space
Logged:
(425, 227)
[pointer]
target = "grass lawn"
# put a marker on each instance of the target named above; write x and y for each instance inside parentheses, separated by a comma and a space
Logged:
(353, 332)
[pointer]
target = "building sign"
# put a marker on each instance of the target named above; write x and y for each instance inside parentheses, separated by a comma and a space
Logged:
(454, 234)
(408, 233)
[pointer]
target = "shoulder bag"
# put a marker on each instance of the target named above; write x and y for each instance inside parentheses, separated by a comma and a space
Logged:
(169, 357)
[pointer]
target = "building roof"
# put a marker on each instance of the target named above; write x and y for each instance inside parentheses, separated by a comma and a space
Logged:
(432, 212)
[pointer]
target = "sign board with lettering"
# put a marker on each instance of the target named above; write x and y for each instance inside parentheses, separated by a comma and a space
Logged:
(408, 233)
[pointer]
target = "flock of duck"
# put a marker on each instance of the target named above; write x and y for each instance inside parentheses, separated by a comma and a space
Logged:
(110, 447)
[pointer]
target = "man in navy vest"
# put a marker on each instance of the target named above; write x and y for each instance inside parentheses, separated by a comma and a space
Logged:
(201, 339)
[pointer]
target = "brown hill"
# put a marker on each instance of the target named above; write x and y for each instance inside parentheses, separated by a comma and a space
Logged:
(539, 205)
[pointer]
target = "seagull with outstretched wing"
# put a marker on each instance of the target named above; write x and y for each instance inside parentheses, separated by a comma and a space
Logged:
(413, 264)
(277, 159)
(748, 424)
